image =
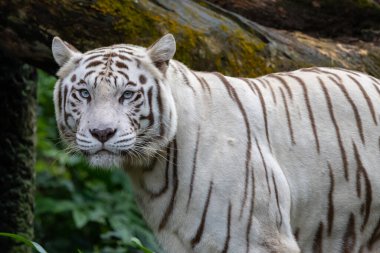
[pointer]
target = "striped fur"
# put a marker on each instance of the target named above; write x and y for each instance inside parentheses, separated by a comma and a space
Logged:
(282, 163)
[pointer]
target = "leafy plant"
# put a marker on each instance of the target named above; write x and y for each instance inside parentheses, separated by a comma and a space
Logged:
(25, 241)
(134, 243)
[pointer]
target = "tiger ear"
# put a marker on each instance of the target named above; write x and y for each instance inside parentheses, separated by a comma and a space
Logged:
(62, 51)
(162, 51)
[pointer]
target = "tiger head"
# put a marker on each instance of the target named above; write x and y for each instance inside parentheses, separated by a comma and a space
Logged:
(114, 104)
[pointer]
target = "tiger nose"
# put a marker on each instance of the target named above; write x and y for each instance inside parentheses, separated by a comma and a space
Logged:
(103, 135)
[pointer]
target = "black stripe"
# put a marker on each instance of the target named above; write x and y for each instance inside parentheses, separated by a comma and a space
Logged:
(368, 187)
(60, 96)
(65, 91)
(228, 236)
(353, 106)
(262, 83)
(160, 110)
(330, 73)
(126, 52)
(150, 116)
(92, 57)
(337, 130)
(123, 74)
(376, 81)
(264, 164)
(330, 212)
(264, 111)
(376, 88)
(375, 237)
(199, 80)
(249, 84)
(367, 98)
(283, 82)
(289, 120)
(94, 64)
(202, 81)
(309, 110)
(249, 224)
(150, 98)
(311, 70)
(138, 62)
(349, 238)
(123, 57)
(194, 167)
(349, 71)
(231, 91)
(88, 73)
(170, 207)
(277, 199)
(270, 88)
(297, 233)
(96, 51)
(164, 189)
(318, 239)
(121, 65)
(198, 235)
(186, 80)
(206, 84)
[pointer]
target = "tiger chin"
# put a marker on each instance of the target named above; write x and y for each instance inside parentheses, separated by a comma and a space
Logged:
(124, 160)
(285, 162)
(105, 159)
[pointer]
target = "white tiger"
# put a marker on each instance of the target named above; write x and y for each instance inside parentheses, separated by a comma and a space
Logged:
(287, 162)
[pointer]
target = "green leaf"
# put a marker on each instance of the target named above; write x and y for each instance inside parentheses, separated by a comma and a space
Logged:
(138, 245)
(80, 218)
(38, 247)
(50, 205)
(25, 241)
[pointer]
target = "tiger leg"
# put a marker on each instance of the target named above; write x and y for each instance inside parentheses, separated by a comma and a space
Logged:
(271, 229)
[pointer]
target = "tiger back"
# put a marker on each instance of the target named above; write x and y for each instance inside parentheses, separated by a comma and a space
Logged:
(281, 163)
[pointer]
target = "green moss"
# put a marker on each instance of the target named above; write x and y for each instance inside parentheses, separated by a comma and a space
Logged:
(231, 52)
(129, 19)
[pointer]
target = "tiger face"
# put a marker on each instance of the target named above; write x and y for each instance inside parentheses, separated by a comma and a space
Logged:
(113, 104)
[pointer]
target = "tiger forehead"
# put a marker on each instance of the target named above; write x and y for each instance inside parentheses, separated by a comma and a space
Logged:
(112, 60)
(115, 50)
(108, 60)
(110, 66)
(114, 54)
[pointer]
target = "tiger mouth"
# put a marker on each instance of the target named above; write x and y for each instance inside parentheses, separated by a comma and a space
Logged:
(99, 152)
(104, 152)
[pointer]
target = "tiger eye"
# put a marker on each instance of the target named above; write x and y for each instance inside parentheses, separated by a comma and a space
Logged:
(128, 94)
(84, 93)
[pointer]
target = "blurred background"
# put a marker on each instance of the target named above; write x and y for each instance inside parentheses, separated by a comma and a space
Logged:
(54, 198)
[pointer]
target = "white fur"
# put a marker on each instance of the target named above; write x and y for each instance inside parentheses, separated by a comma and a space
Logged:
(287, 179)
(62, 52)
(163, 50)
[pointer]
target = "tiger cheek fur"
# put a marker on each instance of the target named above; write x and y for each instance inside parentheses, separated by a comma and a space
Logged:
(280, 163)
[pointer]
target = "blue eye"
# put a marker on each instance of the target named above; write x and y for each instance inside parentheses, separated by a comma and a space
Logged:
(128, 94)
(84, 93)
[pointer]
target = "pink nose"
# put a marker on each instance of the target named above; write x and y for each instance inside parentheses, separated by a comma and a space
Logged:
(103, 135)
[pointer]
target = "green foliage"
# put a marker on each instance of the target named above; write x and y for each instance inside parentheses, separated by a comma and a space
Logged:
(78, 207)
(134, 242)
(25, 241)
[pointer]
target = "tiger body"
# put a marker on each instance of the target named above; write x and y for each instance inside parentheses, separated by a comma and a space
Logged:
(281, 163)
